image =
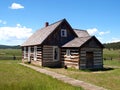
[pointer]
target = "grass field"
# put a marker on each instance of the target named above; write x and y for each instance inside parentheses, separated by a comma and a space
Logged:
(16, 77)
(109, 79)
(112, 63)
(114, 54)
(7, 54)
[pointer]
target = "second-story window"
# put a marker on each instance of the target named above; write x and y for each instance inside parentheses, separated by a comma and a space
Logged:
(63, 33)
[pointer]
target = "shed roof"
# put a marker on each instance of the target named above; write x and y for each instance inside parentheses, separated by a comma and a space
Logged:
(77, 42)
(39, 36)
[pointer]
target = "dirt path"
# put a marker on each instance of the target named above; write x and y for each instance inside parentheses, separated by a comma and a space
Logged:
(74, 82)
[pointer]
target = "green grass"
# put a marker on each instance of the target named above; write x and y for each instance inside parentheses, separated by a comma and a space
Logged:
(10, 52)
(109, 79)
(112, 63)
(114, 54)
(16, 77)
(7, 54)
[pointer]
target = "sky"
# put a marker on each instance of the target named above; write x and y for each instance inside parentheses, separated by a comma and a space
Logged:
(19, 19)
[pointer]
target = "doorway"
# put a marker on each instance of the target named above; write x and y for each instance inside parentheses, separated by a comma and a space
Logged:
(89, 60)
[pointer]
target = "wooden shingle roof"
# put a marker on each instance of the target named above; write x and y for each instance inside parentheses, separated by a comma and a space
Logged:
(77, 42)
(80, 41)
(39, 36)
(81, 33)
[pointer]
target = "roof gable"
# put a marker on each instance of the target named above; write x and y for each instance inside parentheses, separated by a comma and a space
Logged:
(55, 37)
(79, 38)
(82, 42)
(93, 42)
(39, 36)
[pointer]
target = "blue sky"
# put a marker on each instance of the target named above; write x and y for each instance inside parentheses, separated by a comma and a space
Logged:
(21, 18)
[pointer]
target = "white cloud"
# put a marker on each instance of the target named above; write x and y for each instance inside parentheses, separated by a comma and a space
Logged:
(3, 22)
(103, 33)
(16, 6)
(115, 40)
(92, 31)
(15, 34)
(18, 25)
(95, 31)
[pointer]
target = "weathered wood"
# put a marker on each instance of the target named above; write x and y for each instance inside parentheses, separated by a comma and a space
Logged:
(97, 56)
(48, 57)
(71, 63)
(97, 61)
(90, 49)
(82, 64)
(72, 60)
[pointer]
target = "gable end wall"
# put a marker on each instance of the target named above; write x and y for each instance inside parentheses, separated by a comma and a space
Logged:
(97, 57)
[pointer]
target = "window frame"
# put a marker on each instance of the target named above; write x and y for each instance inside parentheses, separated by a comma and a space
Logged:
(65, 33)
(68, 52)
(54, 48)
(29, 53)
(35, 53)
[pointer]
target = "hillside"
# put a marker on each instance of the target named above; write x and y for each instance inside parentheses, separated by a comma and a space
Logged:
(115, 45)
(9, 47)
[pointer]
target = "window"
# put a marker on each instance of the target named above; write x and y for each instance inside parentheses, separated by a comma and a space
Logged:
(24, 52)
(55, 53)
(35, 53)
(63, 33)
(68, 52)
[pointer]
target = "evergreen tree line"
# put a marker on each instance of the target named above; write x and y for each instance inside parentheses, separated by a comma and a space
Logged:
(9, 47)
(114, 46)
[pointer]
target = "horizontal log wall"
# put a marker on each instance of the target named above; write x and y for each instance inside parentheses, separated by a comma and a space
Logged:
(72, 60)
(24, 59)
(38, 63)
(32, 53)
(98, 62)
(48, 57)
(39, 55)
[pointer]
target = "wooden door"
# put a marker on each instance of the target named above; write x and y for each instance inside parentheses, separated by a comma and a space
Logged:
(89, 60)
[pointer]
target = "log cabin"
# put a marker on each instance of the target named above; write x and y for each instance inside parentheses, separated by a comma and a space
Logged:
(59, 45)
